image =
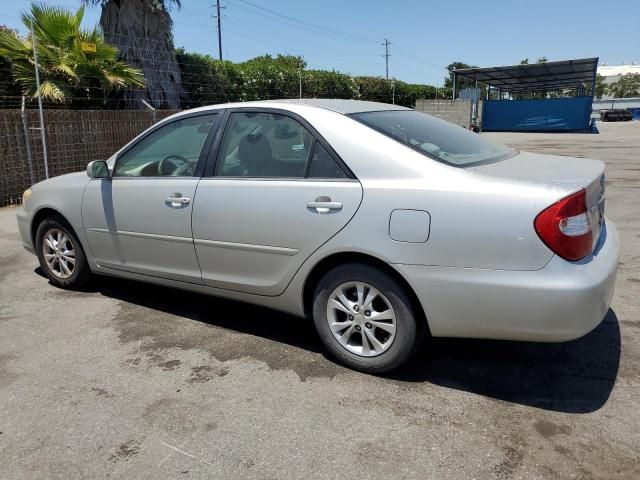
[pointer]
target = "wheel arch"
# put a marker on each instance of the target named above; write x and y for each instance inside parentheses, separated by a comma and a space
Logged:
(336, 259)
(40, 216)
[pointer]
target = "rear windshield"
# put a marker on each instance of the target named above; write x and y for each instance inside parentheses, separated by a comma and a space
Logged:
(435, 138)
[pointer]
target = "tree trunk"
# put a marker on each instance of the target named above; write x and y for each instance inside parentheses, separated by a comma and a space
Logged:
(141, 29)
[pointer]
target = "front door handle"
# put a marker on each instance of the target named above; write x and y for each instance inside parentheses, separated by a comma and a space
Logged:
(176, 200)
(324, 205)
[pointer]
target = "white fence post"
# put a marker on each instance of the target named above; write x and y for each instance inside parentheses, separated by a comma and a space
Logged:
(27, 142)
(42, 131)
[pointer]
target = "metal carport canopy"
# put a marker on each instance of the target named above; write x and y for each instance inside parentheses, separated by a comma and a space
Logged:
(535, 76)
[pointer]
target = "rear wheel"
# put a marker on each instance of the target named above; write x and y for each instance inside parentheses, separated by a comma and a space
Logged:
(60, 254)
(365, 319)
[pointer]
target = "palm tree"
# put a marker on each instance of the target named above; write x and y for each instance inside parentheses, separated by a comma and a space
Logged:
(67, 73)
(141, 29)
(10, 92)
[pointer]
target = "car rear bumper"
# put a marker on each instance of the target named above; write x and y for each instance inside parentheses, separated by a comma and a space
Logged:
(562, 301)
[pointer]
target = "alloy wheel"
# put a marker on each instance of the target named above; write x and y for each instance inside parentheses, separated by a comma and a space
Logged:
(59, 253)
(361, 319)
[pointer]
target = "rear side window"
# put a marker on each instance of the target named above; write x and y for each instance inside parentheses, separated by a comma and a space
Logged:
(435, 138)
(323, 165)
(264, 145)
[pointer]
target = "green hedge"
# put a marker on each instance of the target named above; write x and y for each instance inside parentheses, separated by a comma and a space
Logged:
(208, 81)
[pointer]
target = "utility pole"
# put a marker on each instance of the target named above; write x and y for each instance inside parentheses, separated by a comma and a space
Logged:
(386, 56)
(219, 17)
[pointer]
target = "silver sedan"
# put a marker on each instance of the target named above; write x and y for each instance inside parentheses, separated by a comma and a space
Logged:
(381, 223)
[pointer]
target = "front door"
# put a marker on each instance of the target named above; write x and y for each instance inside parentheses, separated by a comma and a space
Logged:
(139, 220)
(276, 195)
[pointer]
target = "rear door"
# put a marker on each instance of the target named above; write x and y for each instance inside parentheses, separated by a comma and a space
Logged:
(277, 192)
(139, 220)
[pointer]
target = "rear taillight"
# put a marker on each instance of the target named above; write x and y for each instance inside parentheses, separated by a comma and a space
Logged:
(565, 227)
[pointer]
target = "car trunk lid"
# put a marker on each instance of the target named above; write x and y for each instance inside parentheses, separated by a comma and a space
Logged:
(562, 175)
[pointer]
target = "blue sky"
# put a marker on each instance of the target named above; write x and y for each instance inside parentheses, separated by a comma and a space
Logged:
(425, 35)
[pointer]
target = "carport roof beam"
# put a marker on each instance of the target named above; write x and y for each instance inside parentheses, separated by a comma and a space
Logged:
(535, 76)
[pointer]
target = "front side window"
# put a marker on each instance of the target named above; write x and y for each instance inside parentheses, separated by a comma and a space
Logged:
(435, 138)
(172, 150)
(258, 144)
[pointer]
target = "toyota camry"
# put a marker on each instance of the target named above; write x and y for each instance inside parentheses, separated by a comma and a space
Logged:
(382, 224)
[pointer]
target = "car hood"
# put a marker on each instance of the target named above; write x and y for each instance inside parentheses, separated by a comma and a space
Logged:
(62, 180)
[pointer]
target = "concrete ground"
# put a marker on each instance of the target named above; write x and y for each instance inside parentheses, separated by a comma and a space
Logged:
(134, 381)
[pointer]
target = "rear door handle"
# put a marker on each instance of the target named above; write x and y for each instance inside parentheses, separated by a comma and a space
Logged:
(176, 200)
(324, 205)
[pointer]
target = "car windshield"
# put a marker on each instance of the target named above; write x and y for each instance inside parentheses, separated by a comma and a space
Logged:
(435, 138)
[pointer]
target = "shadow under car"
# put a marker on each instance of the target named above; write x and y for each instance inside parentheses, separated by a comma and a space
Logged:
(572, 377)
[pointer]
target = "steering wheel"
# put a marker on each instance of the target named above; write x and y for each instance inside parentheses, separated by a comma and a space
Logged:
(172, 164)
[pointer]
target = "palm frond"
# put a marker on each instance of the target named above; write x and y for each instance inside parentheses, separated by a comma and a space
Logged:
(63, 64)
(12, 45)
(66, 69)
(51, 91)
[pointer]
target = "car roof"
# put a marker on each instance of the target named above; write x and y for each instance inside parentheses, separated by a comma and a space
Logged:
(345, 107)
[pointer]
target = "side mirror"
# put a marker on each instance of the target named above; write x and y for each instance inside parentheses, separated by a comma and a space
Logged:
(98, 169)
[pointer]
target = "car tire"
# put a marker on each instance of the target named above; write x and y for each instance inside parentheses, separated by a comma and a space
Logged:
(65, 266)
(408, 331)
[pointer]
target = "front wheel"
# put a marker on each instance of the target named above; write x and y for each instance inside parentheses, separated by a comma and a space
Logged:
(365, 319)
(60, 254)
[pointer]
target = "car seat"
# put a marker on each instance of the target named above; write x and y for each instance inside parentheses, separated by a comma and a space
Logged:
(255, 155)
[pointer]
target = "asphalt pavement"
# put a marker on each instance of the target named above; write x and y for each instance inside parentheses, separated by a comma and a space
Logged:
(133, 381)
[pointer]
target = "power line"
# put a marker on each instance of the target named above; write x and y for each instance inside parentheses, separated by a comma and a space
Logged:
(261, 41)
(298, 50)
(297, 23)
(416, 57)
(293, 39)
(314, 28)
(270, 17)
(320, 28)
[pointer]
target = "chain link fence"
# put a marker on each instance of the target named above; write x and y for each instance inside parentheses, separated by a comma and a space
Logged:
(76, 134)
(74, 138)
